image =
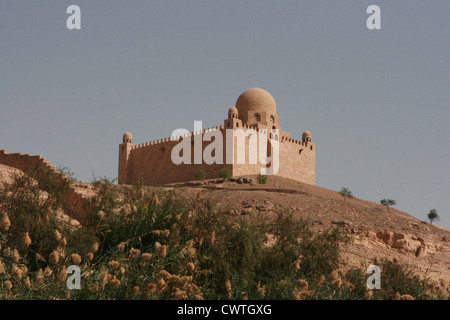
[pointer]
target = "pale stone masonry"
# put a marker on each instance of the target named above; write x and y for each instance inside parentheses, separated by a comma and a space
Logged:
(255, 109)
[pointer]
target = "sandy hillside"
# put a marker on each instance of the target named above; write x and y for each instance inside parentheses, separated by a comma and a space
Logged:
(376, 233)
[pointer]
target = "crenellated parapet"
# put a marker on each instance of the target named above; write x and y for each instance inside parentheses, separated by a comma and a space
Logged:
(255, 110)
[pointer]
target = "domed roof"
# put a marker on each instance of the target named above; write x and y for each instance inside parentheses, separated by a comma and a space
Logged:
(256, 99)
(232, 110)
(127, 137)
(306, 136)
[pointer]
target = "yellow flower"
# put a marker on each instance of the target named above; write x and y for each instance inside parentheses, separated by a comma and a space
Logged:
(151, 288)
(57, 235)
(161, 285)
(54, 257)
(320, 280)
(24, 269)
(62, 275)
(126, 209)
(27, 282)
(48, 271)
(114, 282)
(26, 240)
(104, 277)
(228, 288)
(173, 278)
(183, 281)
(76, 258)
(113, 264)
(191, 252)
(5, 223)
(134, 253)
(162, 251)
(190, 267)
(121, 246)
(146, 256)
(39, 276)
(16, 256)
(101, 214)
(180, 295)
(303, 284)
(337, 282)
(261, 290)
(8, 284)
(164, 274)
(89, 256)
(40, 257)
(16, 271)
(63, 242)
(155, 200)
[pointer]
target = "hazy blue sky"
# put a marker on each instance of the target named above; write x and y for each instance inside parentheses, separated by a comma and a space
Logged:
(375, 101)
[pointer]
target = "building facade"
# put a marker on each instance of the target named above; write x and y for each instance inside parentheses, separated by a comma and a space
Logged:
(250, 131)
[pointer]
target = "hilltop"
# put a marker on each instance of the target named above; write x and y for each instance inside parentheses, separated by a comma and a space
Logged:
(376, 233)
(131, 216)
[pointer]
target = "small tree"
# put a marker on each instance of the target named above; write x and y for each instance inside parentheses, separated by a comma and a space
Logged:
(201, 174)
(433, 216)
(346, 193)
(262, 179)
(225, 173)
(388, 203)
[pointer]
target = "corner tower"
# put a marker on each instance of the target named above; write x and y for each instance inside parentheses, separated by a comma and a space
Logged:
(124, 157)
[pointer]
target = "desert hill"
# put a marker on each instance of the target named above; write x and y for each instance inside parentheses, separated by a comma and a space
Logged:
(375, 232)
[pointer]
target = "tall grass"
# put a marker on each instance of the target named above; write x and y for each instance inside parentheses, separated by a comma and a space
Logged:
(148, 243)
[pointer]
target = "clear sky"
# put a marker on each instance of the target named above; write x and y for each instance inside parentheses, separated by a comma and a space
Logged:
(375, 101)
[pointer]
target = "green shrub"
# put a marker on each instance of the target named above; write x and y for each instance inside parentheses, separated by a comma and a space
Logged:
(433, 216)
(388, 203)
(346, 193)
(153, 244)
(201, 174)
(262, 179)
(225, 173)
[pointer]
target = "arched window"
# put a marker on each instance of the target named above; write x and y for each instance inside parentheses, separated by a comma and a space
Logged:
(272, 119)
(257, 117)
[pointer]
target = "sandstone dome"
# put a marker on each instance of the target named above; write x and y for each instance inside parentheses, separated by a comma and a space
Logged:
(257, 100)
(127, 137)
(306, 136)
(232, 111)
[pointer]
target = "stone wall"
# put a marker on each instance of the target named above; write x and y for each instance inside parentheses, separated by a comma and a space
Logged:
(152, 161)
(73, 205)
